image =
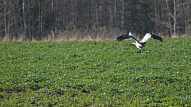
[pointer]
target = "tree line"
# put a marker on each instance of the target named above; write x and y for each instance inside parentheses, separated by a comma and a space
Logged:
(36, 19)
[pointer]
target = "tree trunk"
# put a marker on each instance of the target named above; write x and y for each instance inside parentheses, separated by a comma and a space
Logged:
(89, 14)
(5, 17)
(24, 21)
(174, 18)
(123, 15)
(169, 19)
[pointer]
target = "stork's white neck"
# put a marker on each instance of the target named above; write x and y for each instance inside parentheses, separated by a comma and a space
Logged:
(138, 45)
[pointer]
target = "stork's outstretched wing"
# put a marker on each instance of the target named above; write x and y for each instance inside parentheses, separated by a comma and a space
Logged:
(148, 36)
(122, 37)
(156, 37)
(126, 36)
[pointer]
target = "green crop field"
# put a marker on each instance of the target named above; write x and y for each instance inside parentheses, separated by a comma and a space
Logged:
(95, 74)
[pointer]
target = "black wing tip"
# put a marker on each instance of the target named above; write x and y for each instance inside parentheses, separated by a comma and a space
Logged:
(119, 39)
(157, 37)
(161, 39)
(122, 37)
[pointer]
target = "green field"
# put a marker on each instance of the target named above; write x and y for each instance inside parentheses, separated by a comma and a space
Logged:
(95, 73)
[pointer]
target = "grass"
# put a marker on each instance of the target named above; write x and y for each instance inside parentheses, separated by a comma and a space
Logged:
(95, 73)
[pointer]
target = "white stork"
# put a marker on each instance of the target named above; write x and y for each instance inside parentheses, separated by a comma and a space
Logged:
(139, 44)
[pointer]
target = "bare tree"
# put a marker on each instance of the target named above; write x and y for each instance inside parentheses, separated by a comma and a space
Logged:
(177, 12)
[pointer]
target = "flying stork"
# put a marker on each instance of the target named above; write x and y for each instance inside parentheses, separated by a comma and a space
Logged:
(139, 44)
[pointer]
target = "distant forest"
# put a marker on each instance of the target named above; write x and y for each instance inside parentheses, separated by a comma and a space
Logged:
(28, 20)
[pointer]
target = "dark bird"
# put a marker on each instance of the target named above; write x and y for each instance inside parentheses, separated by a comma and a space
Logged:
(138, 44)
